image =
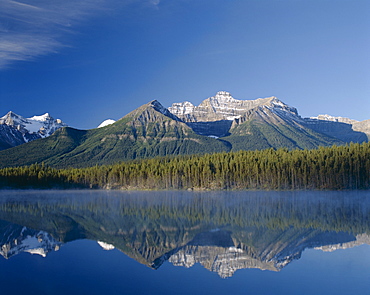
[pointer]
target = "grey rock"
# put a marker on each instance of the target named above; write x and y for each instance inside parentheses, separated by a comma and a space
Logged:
(220, 116)
(223, 106)
(16, 130)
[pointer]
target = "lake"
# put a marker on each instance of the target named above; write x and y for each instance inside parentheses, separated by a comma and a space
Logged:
(176, 242)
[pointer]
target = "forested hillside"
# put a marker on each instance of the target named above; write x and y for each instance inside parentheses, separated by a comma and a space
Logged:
(219, 124)
(337, 167)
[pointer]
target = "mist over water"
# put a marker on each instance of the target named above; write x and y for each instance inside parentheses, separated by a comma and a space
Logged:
(179, 242)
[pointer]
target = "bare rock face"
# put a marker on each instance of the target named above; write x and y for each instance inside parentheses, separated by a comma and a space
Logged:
(216, 115)
(222, 260)
(223, 106)
(224, 252)
(362, 126)
(222, 115)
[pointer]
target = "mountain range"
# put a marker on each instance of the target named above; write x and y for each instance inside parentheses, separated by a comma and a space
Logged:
(16, 130)
(219, 124)
(215, 250)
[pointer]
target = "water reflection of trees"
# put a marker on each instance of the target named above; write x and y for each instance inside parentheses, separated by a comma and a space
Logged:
(152, 226)
(337, 211)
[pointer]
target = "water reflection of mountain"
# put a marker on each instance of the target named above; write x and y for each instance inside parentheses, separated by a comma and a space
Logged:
(15, 239)
(222, 231)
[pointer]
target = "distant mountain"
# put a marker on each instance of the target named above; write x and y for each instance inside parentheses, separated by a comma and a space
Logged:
(221, 251)
(16, 130)
(359, 126)
(334, 119)
(149, 131)
(223, 106)
(220, 123)
(106, 123)
(261, 123)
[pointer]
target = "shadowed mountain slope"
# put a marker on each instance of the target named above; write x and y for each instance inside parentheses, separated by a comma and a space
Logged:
(220, 123)
(148, 131)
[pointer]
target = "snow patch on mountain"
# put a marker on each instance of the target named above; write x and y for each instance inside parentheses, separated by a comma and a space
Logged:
(105, 246)
(106, 123)
(184, 108)
(334, 119)
(42, 126)
(30, 241)
(20, 130)
(41, 118)
(361, 239)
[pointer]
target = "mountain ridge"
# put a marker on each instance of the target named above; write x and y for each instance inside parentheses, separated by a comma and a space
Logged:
(143, 133)
(219, 124)
(16, 130)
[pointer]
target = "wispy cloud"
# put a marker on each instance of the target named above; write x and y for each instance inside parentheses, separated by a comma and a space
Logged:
(154, 2)
(30, 28)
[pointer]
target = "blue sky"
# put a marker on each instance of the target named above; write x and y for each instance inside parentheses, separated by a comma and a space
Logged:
(99, 59)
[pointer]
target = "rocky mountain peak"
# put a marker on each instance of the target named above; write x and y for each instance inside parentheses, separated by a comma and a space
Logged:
(280, 106)
(156, 105)
(223, 106)
(9, 118)
(16, 130)
(223, 96)
(33, 124)
(182, 108)
(151, 112)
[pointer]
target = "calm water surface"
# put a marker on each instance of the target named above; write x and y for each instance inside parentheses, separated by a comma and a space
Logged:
(111, 242)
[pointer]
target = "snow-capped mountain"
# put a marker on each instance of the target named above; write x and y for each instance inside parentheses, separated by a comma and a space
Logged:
(223, 106)
(218, 115)
(15, 129)
(219, 123)
(17, 239)
(106, 123)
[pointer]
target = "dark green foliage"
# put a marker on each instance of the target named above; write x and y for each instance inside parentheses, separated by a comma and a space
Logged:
(337, 167)
(151, 131)
(52, 147)
(144, 133)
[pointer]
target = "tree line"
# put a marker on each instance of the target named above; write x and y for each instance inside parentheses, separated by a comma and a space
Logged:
(334, 168)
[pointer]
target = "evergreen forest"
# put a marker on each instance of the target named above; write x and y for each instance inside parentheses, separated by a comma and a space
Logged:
(325, 168)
